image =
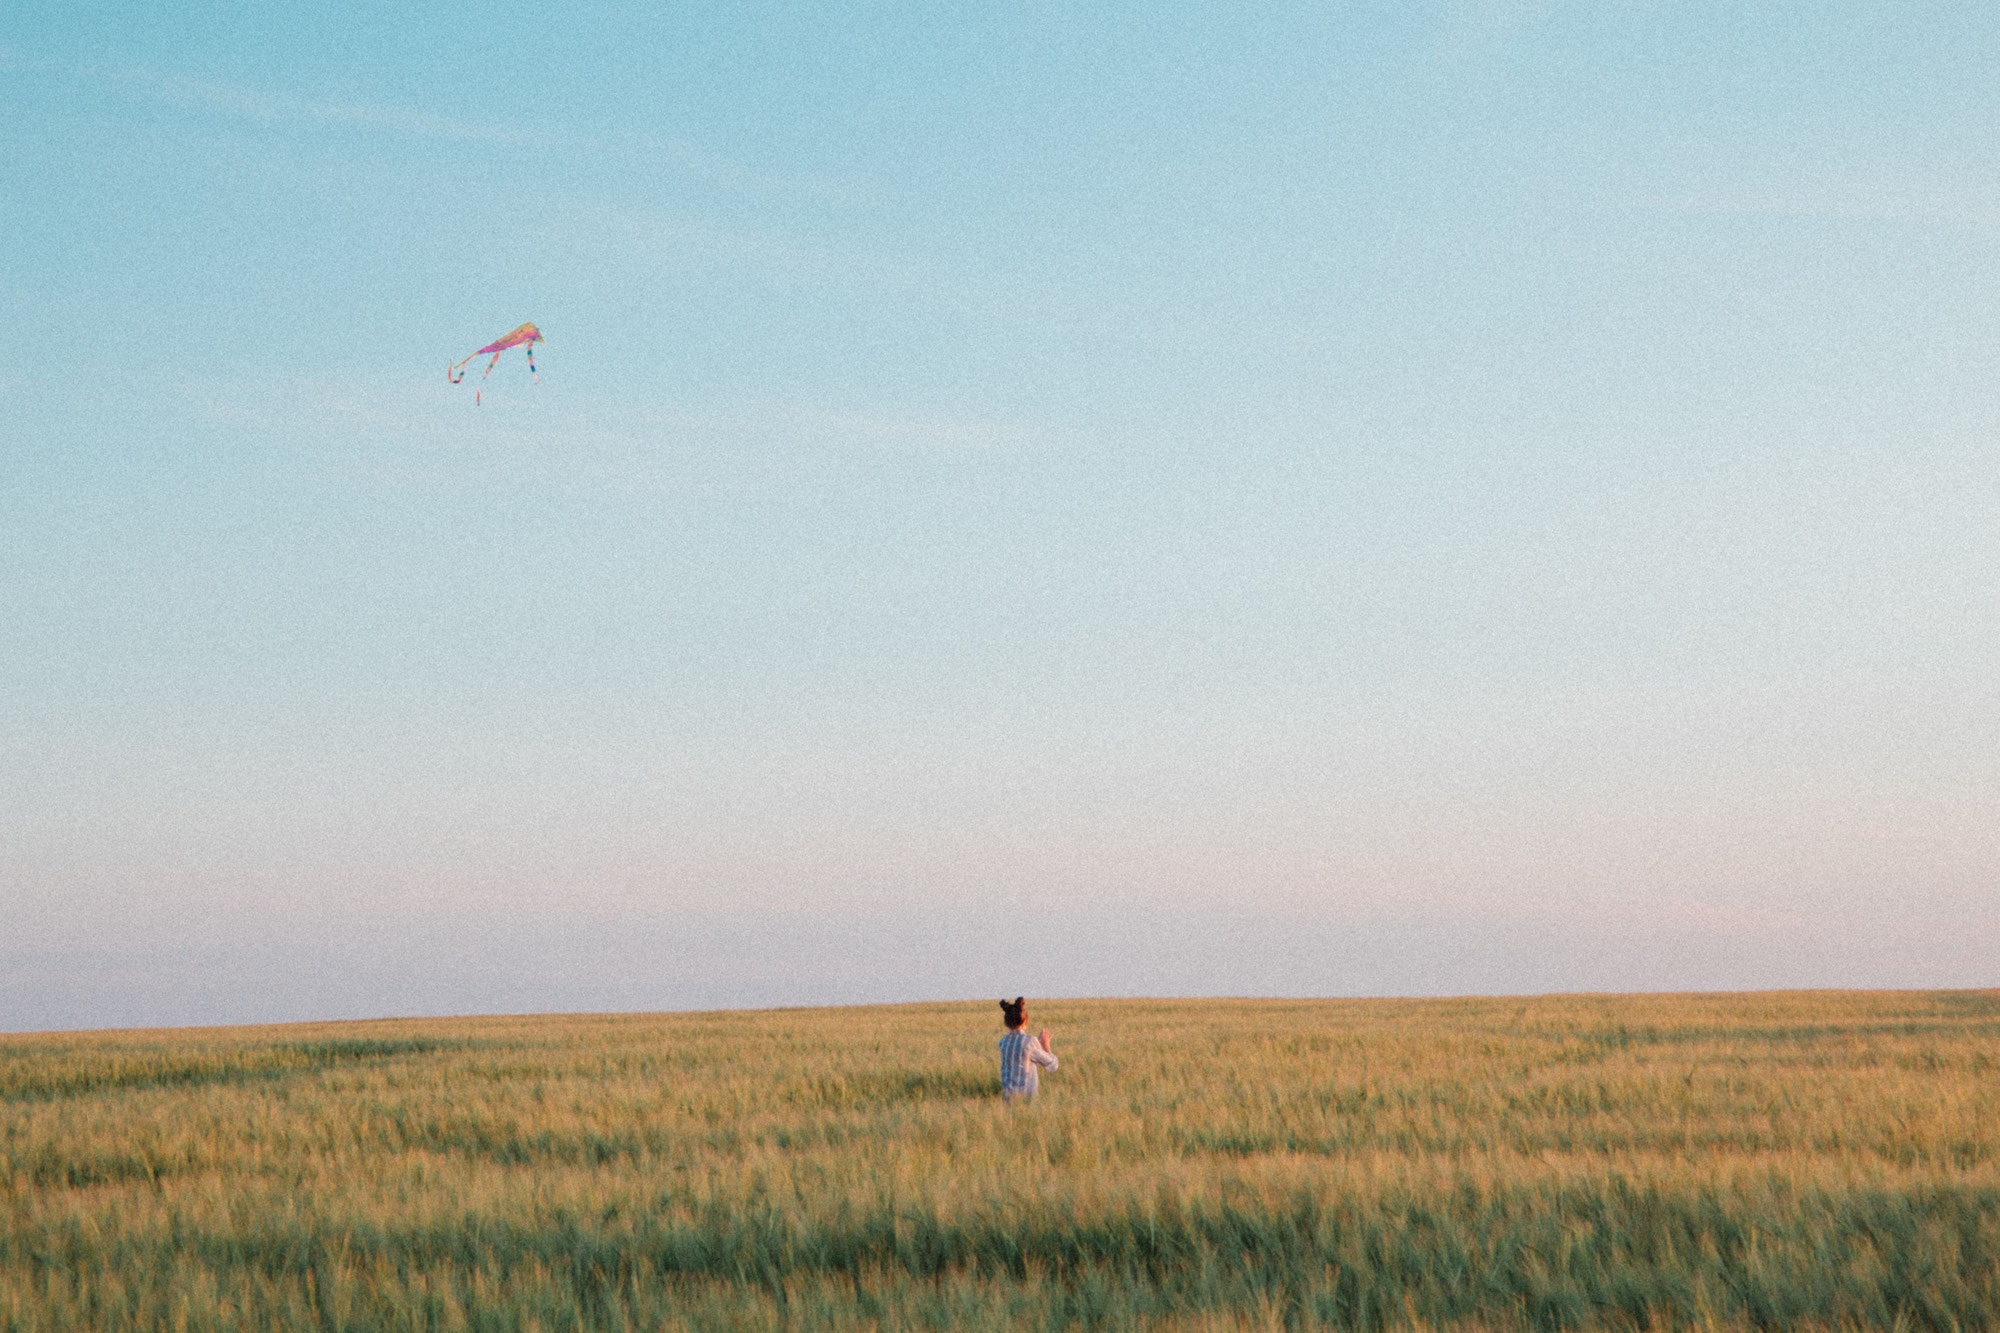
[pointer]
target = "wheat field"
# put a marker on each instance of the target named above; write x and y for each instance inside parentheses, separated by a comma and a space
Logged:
(1785, 1160)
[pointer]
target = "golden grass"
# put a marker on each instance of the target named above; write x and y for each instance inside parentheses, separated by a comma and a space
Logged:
(1733, 1161)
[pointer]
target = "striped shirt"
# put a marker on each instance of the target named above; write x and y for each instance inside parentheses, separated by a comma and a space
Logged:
(1019, 1054)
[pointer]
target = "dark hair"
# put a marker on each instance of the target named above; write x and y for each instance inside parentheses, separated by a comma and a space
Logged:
(1011, 1011)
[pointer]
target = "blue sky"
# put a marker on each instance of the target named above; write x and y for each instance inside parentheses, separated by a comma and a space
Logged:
(1079, 500)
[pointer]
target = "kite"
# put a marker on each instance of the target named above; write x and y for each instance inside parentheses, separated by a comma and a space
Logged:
(525, 336)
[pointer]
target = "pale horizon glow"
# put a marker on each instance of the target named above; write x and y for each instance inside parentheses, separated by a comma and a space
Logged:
(1417, 500)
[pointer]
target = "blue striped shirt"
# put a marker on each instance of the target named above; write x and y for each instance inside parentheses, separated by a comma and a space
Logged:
(1019, 1054)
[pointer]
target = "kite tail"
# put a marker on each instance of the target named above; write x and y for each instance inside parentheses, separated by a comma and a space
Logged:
(457, 372)
(482, 379)
(531, 364)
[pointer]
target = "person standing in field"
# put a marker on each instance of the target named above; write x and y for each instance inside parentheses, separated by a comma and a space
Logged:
(1021, 1053)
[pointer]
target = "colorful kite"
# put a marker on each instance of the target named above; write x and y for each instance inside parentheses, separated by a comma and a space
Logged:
(525, 336)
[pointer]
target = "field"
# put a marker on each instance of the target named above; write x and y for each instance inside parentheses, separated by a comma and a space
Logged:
(1729, 1161)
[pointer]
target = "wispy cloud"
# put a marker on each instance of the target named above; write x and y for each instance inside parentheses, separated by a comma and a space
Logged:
(288, 109)
(285, 108)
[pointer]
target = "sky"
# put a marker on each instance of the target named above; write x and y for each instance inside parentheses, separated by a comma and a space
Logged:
(1082, 499)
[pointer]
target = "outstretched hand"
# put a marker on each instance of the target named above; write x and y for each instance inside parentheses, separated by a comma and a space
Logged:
(1043, 1038)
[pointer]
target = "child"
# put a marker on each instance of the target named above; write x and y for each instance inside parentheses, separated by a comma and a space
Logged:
(1020, 1053)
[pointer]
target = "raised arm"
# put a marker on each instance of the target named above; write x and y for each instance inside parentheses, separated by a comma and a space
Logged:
(1039, 1052)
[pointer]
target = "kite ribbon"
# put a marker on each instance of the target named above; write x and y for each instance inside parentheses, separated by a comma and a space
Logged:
(456, 373)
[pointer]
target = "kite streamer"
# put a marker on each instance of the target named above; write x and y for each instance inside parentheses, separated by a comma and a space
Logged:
(525, 336)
